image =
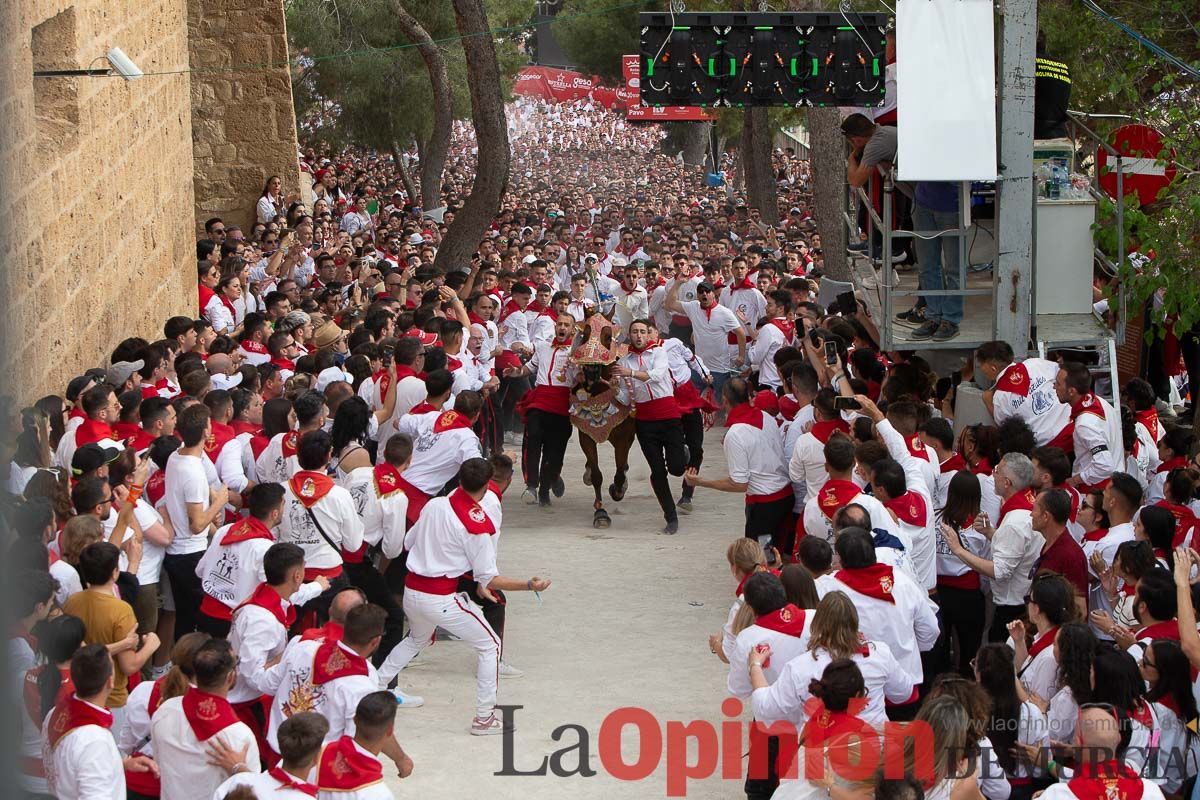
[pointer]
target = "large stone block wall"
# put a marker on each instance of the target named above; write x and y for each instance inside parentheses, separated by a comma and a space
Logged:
(244, 122)
(96, 197)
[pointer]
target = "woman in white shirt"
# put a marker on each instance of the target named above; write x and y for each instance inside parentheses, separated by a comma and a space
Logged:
(1050, 603)
(960, 593)
(223, 311)
(270, 202)
(745, 557)
(1168, 674)
(1014, 718)
(978, 705)
(1074, 650)
(1132, 561)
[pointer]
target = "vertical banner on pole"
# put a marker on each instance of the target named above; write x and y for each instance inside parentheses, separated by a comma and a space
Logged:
(946, 90)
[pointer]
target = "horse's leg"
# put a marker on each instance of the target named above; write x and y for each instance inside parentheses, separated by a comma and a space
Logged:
(622, 440)
(600, 517)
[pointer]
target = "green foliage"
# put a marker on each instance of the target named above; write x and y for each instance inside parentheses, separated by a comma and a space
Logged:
(594, 35)
(359, 85)
(1113, 73)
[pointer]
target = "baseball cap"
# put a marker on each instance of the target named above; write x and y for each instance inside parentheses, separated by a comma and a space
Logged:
(529, 259)
(425, 338)
(330, 375)
(704, 286)
(91, 457)
(416, 238)
(619, 261)
(75, 387)
(222, 381)
(119, 372)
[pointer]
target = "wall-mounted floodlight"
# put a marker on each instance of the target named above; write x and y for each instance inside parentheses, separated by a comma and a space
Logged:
(119, 64)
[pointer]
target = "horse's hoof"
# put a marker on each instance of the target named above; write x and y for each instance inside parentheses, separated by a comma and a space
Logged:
(601, 519)
(617, 491)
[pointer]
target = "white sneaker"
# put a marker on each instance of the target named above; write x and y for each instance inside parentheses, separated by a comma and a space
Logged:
(158, 672)
(407, 700)
(529, 496)
(487, 726)
(509, 671)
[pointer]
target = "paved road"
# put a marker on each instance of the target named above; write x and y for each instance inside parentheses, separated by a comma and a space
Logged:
(624, 625)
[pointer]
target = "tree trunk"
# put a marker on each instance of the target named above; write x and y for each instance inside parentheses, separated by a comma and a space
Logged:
(491, 133)
(761, 191)
(405, 176)
(827, 161)
(433, 157)
(695, 142)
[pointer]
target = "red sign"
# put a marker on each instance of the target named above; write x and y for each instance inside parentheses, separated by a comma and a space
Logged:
(631, 66)
(1140, 147)
(562, 86)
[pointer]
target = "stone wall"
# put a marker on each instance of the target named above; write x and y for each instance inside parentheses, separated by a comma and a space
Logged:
(244, 127)
(97, 199)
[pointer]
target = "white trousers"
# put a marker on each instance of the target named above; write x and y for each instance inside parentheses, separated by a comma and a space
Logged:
(459, 615)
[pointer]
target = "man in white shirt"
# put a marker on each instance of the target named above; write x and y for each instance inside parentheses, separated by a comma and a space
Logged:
(188, 731)
(712, 325)
(754, 456)
(224, 449)
(514, 324)
(892, 607)
(278, 461)
(779, 331)
(78, 750)
(837, 493)
(1122, 499)
(300, 739)
(631, 293)
(456, 535)
(1016, 546)
(102, 411)
(1025, 390)
(806, 465)
(777, 623)
(320, 516)
(193, 506)
(442, 442)
(742, 297)
(349, 768)
(1096, 433)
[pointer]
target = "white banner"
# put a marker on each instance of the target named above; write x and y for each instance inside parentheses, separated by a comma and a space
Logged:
(946, 90)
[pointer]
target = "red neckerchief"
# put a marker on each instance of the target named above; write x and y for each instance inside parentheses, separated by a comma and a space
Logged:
(126, 430)
(450, 421)
(789, 407)
(309, 487)
(283, 363)
(330, 632)
(423, 407)
(875, 581)
(32, 693)
(1178, 462)
(290, 443)
(288, 782)
(830, 728)
(470, 513)
(788, 620)
(1107, 780)
(225, 301)
(74, 713)
(1142, 714)
(266, 597)
(475, 319)
(77, 413)
(206, 295)
(1014, 378)
(744, 414)
(333, 661)
(916, 448)
(344, 768)
(786, 327)
(909, 508)
(245, 530)
(156, 487)
(982, 467)
(536, 307)
(1096, 535)
(1021, 501)
(953, 464)
(207, 714)
(383, 379)
(649, 346)
(155, 696)
(744, 283)
(387, 479)
(221, 435)
(836, 494)
(510, 307)
(241, 426)
(1042, 642)
(251, 346)
(141, 440)
(825, 428)
(1149, 418)
(1088, 404)
(1160, 630)
(93, 430)
(453, 364)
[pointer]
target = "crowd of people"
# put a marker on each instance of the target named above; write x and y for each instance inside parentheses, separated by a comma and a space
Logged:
(229, 542)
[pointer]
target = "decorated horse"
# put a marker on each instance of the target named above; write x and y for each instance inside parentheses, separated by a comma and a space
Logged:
(598, 411)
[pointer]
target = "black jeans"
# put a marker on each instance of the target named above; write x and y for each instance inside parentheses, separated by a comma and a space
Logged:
(216, 628)
(774, 519)
(185, 589)
(759, 786)
(511, 390)
(1000, 619)
(545, 445)
(493, 610)
(364, 576)
(661, 441)
(693, 437)
(962, 612)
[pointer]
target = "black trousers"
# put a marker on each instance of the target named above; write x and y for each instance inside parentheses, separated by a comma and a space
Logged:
(1000, 619)
(759, 786)
(774, 519)
(693, 437)
(545, 446)
(185, 589)
(681, 332)
(511, 390)
(962, 612)
(216, 628)
(364, 576)
(316, 611)
(493, 610)
(661, 441)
